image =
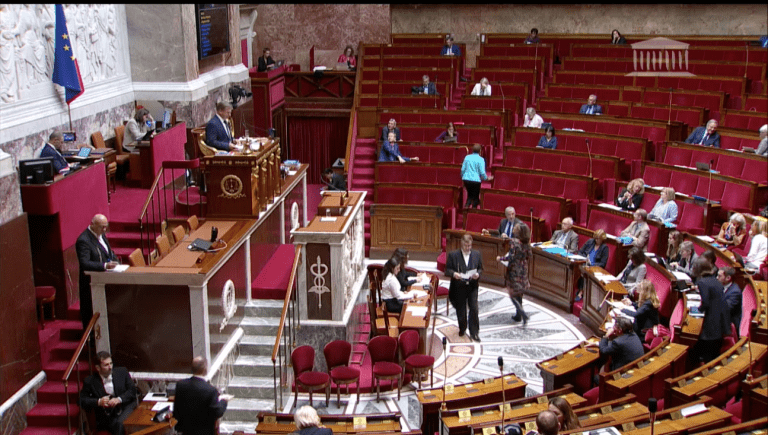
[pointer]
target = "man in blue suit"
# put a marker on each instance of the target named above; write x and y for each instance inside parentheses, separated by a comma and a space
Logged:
(449, 49)
(427, 87)
(707, 136)
(218, 131)
(731, 295)
(51, 149)
(591, 108)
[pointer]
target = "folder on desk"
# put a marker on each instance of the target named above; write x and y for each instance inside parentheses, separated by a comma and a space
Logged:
(199, 245)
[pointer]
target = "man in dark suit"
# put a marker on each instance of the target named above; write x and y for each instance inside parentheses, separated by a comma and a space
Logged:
(94, 254)
(111, 393)
(427, 87)
(621, 344)
(198, 404)
(591, 108)
(391, 127)
(731, 295)
(508, 223)
(449, 49)
(335, 181)
(463, 289)
(52, 148)
(218, 131)
(565, 237)
(707, 136)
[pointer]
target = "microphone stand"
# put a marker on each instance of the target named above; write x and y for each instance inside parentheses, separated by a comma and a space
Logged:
(435, 91)
(709, 187)
(443, 407)
(749, 346)
(669, 120)
(531, 226)
(503, 393)
(746, 48)
(589, 154)
(535, 71)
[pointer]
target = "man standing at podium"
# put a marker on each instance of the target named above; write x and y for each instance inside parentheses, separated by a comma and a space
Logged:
(464, 285)
(218, 131)
(93, 254)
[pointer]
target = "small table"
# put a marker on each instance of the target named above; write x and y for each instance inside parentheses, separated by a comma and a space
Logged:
(140, 421)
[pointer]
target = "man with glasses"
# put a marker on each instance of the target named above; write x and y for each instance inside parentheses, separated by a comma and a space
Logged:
(93, 254)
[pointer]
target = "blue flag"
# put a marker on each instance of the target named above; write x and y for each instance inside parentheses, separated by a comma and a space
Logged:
(65, 69)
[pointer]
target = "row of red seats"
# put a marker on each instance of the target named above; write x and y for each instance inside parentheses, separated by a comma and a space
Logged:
(549, 208)
(427, 133)
(743, 166)
(443, 118)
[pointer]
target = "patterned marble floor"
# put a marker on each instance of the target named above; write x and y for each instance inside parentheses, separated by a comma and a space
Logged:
(546, 335)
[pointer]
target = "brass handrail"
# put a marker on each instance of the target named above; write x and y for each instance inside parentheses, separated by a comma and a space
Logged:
(68, 372)
(288, 294)
(151, 192)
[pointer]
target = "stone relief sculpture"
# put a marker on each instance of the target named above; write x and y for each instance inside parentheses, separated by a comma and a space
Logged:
(27, 44)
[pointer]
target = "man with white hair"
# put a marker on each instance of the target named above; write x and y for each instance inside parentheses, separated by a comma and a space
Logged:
(566, 237)
(508, 223)
(427, 88)
(482, 89)
(707, 136)
(591, 108)
(762, 149)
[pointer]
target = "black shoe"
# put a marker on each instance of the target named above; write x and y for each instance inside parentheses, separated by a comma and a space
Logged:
(475, 338)
(525, 319)
(516, 318)
(461, 333)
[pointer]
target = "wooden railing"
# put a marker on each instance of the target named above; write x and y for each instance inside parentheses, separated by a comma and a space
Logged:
(281, 354)
(72, 362)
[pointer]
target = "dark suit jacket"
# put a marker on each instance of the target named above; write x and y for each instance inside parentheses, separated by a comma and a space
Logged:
(385, 133)
(93, 390)
(92, 257)
(571, 240)
(598, 109)
(263, 65)
(601, 257)
(314, 430)
(197, 407)
(431, 89)
(732, 298)
(503, 225)
(646, 317)
(454, 49)
(59, 162)
(698, 134)
(623, 349)
(630, 205)
(338, 182)
(455, 263)
(216, 134)
(404, 278)
(716, 319)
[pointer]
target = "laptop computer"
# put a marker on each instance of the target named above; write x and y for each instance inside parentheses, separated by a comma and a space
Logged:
(199, 245)
(701, 166)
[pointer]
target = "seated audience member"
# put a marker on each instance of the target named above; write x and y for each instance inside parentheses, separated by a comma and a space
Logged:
(265, 61)
(591, 108)
(348, 57)
(758, 248)
(52, 148)
(390, 128)
(426, 88)
(390, 286)
(111, 393)
(616, 37)
(390, 152)
(707, 136)
(596, 252)
(732, 232)
(565, 416)
(621, 344)
(665, 209)
(674, 241)
(449, 135)
(716, 323)
(686, 258)
(762, 148)
(404, 276)
(218, 131)
(638, 230)
(308, 422)
(533, 37)
(508, 222)
(646, 309)
(546, 423)
(136, 128)
(449, 49)
(635, 270)
(483, 88)
(565, 236)
(548, 141)
(531, 119)
(731, 296)
(335, 181)
(631, 196)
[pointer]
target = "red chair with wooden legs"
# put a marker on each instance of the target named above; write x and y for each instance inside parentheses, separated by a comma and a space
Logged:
(383, 352)
(416, 363)
(303, 361)
(337, 359)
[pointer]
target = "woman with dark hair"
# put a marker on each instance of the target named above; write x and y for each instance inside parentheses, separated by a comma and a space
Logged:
(549, 140)
(517, 269)
(265, 61)
(390, 287)
(564, 413)
(136, 128)
(596, 252)
(533, 37)
(348, 56)
(646, 309)
(404, 276)
(635, 270)
(674, 242)
(616, 37)
(716, 321)
(449, 135)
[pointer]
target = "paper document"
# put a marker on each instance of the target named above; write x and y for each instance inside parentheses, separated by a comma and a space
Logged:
(693, 410)
(156, 397)
(681, 276)
(577, 257)
(417, 311)
(159, 406)
(468, 274)
(327, 219)
(611, 206)
(414, 293)
(119, 268)
(706, 239)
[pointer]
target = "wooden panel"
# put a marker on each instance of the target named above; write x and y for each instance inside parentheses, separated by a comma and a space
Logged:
(414, 227)
(553, 278)
(490, 247)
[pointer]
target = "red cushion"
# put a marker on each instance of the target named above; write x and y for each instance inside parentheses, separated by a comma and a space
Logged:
(442, 291)
(592, 396)
(441, 262)
(44, 292)
(313, 379)
(384, 368)
(345, 373)
(420, 361)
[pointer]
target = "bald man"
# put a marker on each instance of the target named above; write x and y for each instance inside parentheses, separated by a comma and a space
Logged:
(198, 404)
(93, 254)
(547, 424)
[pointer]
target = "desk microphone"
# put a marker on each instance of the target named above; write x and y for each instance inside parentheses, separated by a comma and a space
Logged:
(445, 374)
(503, 100)
(669, 120)
(435, 91)
(752, 314)
(214, 234)
(709, 187)
(746, 48)
(535, 72)
(531, 238)
(589, 154)
(503, 395)
(652, 408)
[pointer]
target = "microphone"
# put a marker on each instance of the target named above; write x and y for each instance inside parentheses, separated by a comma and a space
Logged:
(589, 154)
(709, 187)
(531, 229)
(214, 234)
(503, 394)
(435, 90)
(752, 315)
(746, 62)
(535, 70)
(445, 374)
(652, 408)
(669, 120)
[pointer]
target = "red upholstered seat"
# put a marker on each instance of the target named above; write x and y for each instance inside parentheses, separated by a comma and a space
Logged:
(676, 318)
(592, 396)
(748, 303)
(337, 355)
(313, 379)
(386, 369)
(345, 373)
(303, 362)
(734, 408)
(418, 364)
(383, 351)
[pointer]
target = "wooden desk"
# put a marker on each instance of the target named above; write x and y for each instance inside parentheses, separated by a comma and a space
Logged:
(141, 419)
(755, 398)
(595, 291)
(575, 366)
(712, 418)
(418, 323)
(553, 277)
(181, 257)
(270, 422)
(165, 146)
(490, 247)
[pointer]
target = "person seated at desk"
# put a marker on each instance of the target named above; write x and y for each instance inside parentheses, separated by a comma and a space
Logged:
(564, 413)
(390, 152)
(508, 223)
(389, 128)
(391, 292)
(762, 148)
(665, 209)
(426, 88)
(732, 232)
(531, 119)
(565, 236)
(265, 61)
(533, 37)
(758, 248)
(308, 422)
(635, 270)
(137, 128)
(482, 89)
(335, 181)
(631, 196)
(348, 57)
(111, 393)
(548, 141)
(621, 344)
(596, 252)
(547, 423)
(707, 136)
(686, 258)
(449, 49)
(616, 38)
(674, 241)
(449, 135)
(731, 296)
(638, 230)
(646, 310)
(52, 149)
(218, 131)
(404, 276)
(591, 108)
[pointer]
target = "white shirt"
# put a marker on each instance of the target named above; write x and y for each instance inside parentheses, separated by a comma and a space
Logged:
(533, 123)
(109, 387)
(478, 90)
(758, 250)
(466, 257)
(390, 288)
(101, 240)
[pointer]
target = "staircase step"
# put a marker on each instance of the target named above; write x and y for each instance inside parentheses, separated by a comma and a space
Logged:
(363, 171)
(241, 409)
(264, 308)
(363, 183)
(53, 392)
(251, 388)
(253, 325)
(47, 415)
(251, 365)
(71, 330)
(364, 163)
(55, 369)
(257, 345)
(228, 427)
(64, 350)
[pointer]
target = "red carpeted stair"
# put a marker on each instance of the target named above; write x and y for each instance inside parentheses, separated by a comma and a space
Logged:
(273, 279)
(362, 178)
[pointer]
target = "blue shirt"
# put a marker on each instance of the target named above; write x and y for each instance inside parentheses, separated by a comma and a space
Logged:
(664, 212)
(390, 152)
(473, 168)
(549, 144)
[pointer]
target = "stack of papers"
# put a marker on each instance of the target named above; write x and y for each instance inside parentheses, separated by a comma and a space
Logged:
(706, 239)
(608, 205)
(417, 311)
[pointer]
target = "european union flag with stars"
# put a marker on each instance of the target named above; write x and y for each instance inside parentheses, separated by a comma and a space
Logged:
(65, 70)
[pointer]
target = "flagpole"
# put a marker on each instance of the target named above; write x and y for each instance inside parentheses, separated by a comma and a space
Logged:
(69, 113)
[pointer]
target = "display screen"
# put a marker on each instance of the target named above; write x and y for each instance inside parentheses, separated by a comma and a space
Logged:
(212, 29)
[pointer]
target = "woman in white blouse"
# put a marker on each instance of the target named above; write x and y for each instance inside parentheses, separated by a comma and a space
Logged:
(532, 119)
(482, 89)
(665, 209)
(759, 245)
(390, 287)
